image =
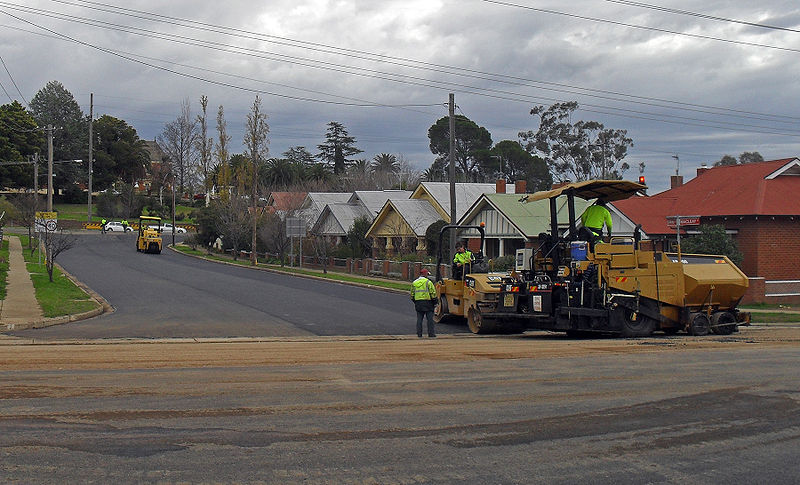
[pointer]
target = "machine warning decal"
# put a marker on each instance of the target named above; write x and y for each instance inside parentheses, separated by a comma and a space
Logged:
(622, 279)
(696, 259)
(537, 303)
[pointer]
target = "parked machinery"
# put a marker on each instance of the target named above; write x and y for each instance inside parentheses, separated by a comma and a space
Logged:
(149, 237)
(471, 295)
(624, 286)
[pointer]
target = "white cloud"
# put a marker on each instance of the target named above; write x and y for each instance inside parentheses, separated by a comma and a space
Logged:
(468, 34)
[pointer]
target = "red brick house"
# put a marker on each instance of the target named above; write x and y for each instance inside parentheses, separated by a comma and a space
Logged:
(757, 203)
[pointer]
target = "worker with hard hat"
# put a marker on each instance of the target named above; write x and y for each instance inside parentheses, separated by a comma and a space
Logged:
(423, 294)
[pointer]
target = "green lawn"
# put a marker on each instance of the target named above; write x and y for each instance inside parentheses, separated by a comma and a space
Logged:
(3, 268)
(74, 212)
(331, 275)
(62, 296)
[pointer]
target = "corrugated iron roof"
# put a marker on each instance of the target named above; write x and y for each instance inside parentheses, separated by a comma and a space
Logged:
(752, 189)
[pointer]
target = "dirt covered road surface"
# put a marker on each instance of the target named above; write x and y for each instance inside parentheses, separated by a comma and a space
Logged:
(538, 408)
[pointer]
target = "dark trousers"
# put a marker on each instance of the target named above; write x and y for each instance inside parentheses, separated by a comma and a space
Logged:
(429, 316)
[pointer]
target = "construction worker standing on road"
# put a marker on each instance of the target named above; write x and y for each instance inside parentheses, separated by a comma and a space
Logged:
(462, 259)
(593, 219)
(103, 225)
(124, 224)
(423, 294)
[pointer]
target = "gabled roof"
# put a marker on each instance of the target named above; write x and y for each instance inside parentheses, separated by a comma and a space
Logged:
(752, 189)
(373, 200)
(337, 219)
(286, 201)
(315, 202)
(466, 195)
(527, 217)
(417, 214)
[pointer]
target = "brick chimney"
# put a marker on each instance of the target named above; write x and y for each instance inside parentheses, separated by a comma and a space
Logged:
(675, 181)
(521, 187)
(500, 186)
(702, 169)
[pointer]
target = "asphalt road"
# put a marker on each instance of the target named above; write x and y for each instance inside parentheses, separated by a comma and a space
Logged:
(172, 295)
(450, 411)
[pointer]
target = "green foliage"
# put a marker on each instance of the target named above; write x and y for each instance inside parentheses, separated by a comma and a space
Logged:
(357, 241)
(119, 155)
(206, 220)
(712, 240)
(502, 263)
(336, 149)
(124, 203)
(19, 138)
(3, 268)
(54, 105)
(432, 237)
(73, 195)
(745, 157)
(577, 151)
(470, 139)
(508, 160)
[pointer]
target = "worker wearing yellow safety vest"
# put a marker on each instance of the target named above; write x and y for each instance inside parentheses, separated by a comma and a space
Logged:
(462, 259)
(423, 294)
(593, 219)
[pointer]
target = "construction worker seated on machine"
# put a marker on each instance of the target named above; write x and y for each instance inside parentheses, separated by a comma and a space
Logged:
(593, 219)
(462, 262)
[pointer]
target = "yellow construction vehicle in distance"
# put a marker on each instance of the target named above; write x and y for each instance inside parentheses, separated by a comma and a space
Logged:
(149, 238)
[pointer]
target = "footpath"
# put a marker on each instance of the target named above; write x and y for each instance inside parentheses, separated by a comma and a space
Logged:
(20, 305)
(20, 310)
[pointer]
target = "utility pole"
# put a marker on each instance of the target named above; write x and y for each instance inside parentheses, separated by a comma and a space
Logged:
(452, 173)
(91, 122)
(36, 181)
(49, 168)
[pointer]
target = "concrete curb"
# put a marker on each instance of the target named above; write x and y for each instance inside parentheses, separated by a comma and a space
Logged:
(75, 317)
(311, 277)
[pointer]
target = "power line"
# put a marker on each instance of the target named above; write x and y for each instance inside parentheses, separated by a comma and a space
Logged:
(12, 81)
(401, 61)
(4, 90)
(400, 78)
(700, 15)
(641, 27)
(190, 76)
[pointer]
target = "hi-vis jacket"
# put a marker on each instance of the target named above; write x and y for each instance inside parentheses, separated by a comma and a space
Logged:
(422, 289)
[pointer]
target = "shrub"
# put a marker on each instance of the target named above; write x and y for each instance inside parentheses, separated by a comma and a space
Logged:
(503, 263)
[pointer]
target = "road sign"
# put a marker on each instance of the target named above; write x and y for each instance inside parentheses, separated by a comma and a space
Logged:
(46, 221)
(674, 221)
(295, 227)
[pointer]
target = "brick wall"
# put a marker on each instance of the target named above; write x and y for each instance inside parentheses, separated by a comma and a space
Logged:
(770, 246)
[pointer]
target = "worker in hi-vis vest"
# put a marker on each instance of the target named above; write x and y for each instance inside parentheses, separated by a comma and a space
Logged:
(593, 219)
(423, 294)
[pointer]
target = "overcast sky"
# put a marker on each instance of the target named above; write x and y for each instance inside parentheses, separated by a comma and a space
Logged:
(692, 79)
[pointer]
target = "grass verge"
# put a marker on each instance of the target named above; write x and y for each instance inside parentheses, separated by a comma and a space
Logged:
(768, 317)
(62, 296)
(3, 268)
(331, 275)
